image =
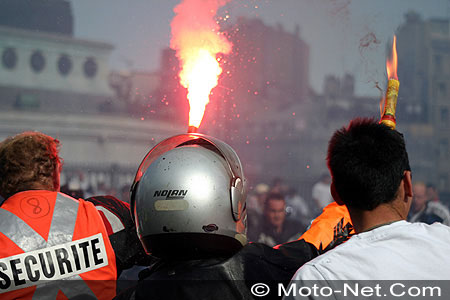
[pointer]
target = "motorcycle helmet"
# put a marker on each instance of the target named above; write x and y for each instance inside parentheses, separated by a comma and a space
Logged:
(188, 199)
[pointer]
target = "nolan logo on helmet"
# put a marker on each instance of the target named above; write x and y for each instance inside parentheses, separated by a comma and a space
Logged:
(171, 194)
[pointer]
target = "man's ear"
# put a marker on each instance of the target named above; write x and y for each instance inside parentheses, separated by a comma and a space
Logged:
(407, 183)
(335, 194)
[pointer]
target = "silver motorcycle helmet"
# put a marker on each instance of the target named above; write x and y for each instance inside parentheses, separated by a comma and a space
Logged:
(188, 199)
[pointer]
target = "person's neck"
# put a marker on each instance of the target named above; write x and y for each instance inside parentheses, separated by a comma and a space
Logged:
(417, 208)
(279, 229)
(276, 228)
(41, 186)
(384, 214)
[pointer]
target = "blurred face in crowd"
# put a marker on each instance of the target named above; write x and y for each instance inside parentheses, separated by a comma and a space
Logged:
(276, 212)
(419, 196)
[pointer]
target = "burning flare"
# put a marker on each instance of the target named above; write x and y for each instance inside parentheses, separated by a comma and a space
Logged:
(199, 75)
(391, 65)
(197, 40)
(390, 105)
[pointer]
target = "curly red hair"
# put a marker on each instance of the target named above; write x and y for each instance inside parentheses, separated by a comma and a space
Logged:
(28, 161)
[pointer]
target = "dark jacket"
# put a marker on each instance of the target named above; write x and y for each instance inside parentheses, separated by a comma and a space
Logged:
(223, 278)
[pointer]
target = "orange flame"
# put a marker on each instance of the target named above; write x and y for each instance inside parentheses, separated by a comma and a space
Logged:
(199, 75)
(197, 40)
(391, 64)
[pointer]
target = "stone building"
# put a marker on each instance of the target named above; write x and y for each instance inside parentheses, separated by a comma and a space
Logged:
(424, 74)
(42, 71)
(53, 82)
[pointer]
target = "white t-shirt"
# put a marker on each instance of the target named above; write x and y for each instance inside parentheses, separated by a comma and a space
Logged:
(399, 251)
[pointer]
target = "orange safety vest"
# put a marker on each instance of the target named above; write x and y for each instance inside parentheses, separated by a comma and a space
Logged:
(48, 236)
(332, 227)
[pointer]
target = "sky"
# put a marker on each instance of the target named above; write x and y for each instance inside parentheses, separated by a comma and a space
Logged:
(139, 29)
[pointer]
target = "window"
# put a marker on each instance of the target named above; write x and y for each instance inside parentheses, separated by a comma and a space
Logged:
(9, 58)
(444, 117)
(437, 62)
(64, 65)
(37, 61)
(90, 67)
(443, 148)
(27, 102)
(442, 90)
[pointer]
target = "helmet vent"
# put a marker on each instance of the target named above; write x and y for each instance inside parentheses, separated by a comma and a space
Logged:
(210, 228)
(165, 229)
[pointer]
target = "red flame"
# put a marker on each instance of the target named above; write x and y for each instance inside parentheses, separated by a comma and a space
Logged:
(197, 40)
(391, 64)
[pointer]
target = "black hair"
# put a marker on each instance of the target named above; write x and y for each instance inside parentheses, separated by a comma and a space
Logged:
(273, 196)
(367, 161)
(430, 185)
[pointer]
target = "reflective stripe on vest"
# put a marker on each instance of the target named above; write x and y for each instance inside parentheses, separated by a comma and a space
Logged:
(56, 247)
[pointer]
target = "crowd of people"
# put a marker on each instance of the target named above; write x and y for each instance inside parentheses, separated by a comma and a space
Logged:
(80, 183)
(278, 215)
(186, 223)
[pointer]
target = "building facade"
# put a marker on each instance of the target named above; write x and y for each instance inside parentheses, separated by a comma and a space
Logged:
(62, 86)
(424, 74)
(39, 70)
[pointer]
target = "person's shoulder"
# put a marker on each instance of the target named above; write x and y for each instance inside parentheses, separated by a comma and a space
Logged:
(431, 205)
(430, 231)
(109, 201)
(312, 269)
(439, 227)
(333, 254)
(325, 265)
(113, 211)
(425, 226)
